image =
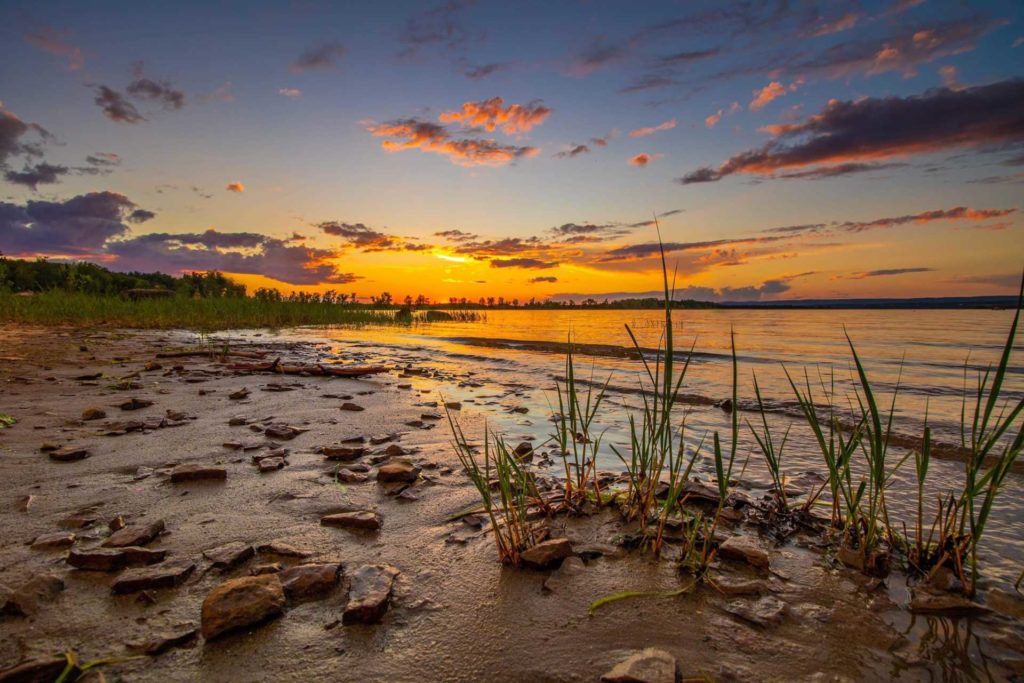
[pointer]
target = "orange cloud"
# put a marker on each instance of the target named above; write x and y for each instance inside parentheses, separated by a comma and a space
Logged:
(235, 187)
(712, 121)
(643, 159)
(772, 91)
(491, 114)
(56, 43)
(641, 132)
(430, 137)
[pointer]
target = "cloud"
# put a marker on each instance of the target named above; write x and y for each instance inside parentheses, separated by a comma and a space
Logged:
(843, 23)
(161, 92)
(959, 213)
(603, 141)
(40, 174)
(456, 235)
(643, 159)
(115, 107)
(885, 272)
(222, 93)
(573, 151)
(523, 263)
(595, 56)
(78, 226)
(491, 114)
(439, 27)
(103, 159)
(949, 77)
(434, 138)
(880, 128)
(56, 43)
(712, 121)
(770, 92)
(838, 171)
(235, 187)
(642, 132)
(140, 216)
(12, 132)
(290, 92)
(325, 56)
(688, 57)
(367, 239)
(476, 73)
(640, 251)
(536, 280)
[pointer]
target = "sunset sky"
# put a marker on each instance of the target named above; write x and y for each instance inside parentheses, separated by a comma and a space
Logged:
(522, 149)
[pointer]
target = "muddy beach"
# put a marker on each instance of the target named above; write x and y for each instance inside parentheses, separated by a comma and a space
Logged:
(292, 527)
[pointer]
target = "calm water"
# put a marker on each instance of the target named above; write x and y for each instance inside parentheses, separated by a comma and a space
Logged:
(506, 362)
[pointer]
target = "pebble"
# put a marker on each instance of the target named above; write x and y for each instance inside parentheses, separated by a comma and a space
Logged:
(362, 519)
(56, 540)
(398, 471)
(186, 473)
(69, 453)
(229, 555)
(352, 407)
(745, 549)
(547, 553)
(135, 535)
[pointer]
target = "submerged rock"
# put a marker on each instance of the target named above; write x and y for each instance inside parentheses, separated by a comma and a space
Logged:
(361, 519)
(166, 575)
(565, 576)
(547, 553)
(745, 549)
(767, 611)
(238, 603)
(370, 594)
(307, 581)
(927, 602)
(25, 600)
(650, 665)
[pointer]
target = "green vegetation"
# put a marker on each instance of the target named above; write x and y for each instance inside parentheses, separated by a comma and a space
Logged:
(45, 293)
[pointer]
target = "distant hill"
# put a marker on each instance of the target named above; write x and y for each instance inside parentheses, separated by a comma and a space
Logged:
(920, 302)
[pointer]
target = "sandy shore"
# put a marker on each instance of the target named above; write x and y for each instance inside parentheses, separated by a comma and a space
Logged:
(454, 613)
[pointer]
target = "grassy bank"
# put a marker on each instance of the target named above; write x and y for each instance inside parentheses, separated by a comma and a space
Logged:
(210, 314)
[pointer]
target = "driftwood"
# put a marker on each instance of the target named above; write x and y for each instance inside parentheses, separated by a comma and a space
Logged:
(211, 352)
(310, 369)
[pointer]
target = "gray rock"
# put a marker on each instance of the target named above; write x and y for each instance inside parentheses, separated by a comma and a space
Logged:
(240, 603)
(370, 594)
(766, 611)
(647, 666)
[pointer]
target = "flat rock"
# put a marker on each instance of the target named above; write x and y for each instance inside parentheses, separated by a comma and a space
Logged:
(350, 477)
(647, 666)
(399, 471)
(744, 549)
(69, 453)
(267, 568)
(135, 404)
(766, 611)
(271, 464)
(185, 473)
(25, 600)
(370, 594)
(352, 407)
(307, 581)
(54, 541)
(240, 603)
(547, 553)
(229, 555)
(161, 642)
(733, 586)
(590, 551)
(42, 670)
(282, 549)
(360, 519)
(282, 432)
(926, 602)
(97, 559)
(135, 535)
(343, 453)
(165, 575)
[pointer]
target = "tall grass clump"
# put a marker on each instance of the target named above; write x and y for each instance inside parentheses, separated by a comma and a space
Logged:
(578, 445)
(507, 490)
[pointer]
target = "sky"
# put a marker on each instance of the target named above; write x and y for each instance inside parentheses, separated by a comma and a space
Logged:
(784, 150)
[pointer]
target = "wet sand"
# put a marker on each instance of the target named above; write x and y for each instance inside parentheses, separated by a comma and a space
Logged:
(456, 614)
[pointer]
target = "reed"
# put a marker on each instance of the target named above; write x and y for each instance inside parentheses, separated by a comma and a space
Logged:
(578, 444)
(507, 490)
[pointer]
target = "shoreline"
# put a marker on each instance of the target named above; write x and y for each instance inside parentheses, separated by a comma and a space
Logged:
(450, 595)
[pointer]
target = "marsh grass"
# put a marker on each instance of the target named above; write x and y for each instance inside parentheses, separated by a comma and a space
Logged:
(577, 442)
(206, 314)
(507, 489)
